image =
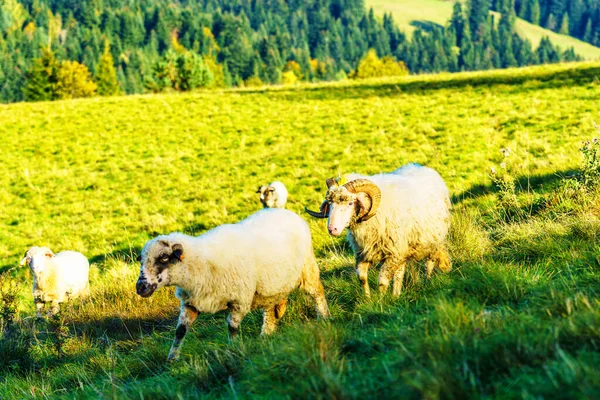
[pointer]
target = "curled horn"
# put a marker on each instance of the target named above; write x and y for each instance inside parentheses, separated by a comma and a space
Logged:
(371, 190)
(324, 209)
(323, 213)
(331, 182)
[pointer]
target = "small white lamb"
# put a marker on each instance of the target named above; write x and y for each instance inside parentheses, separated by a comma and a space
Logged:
(274, 195)
(56, 277)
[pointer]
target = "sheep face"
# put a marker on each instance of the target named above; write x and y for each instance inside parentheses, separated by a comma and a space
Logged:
(36, 258)
(345, 206)
(344, 209)
(267, 196)
(158, 258)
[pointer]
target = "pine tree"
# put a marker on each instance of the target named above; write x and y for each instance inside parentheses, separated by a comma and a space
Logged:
(564, 26)
(478, 17)
(467, 51)
(534, 15)
(457, 22)
(525, 10)
(576, 11)
(106, 74)
(551, 24)
(41, 79)
(505, 30)
(588, 34)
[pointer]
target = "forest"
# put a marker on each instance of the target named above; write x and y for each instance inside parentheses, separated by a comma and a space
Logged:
(57, 49)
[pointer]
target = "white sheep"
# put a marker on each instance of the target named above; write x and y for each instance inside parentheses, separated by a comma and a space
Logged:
(254, 263)
(391, 219)
(274, 195)
(56, 277)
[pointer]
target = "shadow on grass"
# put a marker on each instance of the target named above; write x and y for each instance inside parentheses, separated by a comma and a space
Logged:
(535, 183)
(427, 26)
(577, 76)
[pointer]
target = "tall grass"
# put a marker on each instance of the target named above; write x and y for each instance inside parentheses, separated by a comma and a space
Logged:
(518, 317)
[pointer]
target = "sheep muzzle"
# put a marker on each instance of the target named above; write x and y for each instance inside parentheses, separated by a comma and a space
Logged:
(144, 289)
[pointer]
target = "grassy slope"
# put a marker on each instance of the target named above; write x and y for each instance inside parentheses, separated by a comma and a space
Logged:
(518, 317)
(439, 12)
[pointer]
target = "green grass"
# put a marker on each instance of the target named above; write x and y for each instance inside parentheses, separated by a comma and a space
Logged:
(409, 13)
(518, 317)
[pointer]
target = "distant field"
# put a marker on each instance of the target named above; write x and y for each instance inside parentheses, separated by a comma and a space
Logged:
(518, 317)
(408, 13)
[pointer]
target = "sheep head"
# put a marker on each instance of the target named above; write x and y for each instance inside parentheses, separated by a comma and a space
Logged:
(267, 196)
(158, 257)
(352, 203)
(35, 257)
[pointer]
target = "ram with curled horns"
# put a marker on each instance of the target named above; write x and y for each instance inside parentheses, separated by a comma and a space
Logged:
(392, 219)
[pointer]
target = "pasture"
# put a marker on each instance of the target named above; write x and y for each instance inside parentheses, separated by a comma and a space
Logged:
(412, 13)
(518, 317)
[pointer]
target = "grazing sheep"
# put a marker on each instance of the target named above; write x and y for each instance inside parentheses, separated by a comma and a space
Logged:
(273, 196)
(255, 263)
(391, 218)
(56, 277)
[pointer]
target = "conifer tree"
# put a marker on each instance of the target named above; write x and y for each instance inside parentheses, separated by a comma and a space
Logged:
(534, 15)
(106, 74)
(564, 26)
(42, 78)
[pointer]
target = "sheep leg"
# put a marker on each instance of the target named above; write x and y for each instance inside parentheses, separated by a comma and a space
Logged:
(430, 265)
(39, 308)
(280, 308)
(187, 316)
(269, 321)
(362, 270)
(398, 279)
(311, 284)
(236, 315)
(442, 259)
(54, 308)
(386, 274)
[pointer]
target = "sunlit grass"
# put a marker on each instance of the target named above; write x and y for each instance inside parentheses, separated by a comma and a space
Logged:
(519, 316)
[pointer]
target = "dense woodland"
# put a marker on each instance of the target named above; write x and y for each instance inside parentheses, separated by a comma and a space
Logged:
(578, 18)
(53, 49)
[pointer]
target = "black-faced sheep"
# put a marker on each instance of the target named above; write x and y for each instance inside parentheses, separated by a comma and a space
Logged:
(391, 219)
(255, 263)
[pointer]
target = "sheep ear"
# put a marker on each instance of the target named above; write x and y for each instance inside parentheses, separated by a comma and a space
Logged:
(25, 261)
(178, 251)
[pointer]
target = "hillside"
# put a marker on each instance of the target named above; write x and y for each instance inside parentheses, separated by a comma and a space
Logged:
(409, 13)
(518, 317)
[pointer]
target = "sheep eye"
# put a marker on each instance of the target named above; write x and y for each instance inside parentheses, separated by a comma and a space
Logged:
(351, 203)
(165, 259)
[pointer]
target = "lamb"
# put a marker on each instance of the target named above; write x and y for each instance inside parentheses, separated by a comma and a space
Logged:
(391, 218)
(56, 277)
(254, 263)
(274, 195)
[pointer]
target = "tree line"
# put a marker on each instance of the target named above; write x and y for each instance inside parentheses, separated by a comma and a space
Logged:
(577, 18)
(53, 49)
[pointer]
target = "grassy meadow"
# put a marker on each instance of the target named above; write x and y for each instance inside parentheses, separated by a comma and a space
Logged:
(518, 317)
(412, 13)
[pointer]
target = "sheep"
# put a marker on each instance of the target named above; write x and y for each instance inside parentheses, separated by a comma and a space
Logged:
(391, 219)
(254, 263)
(274, 195)
(56, 277)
